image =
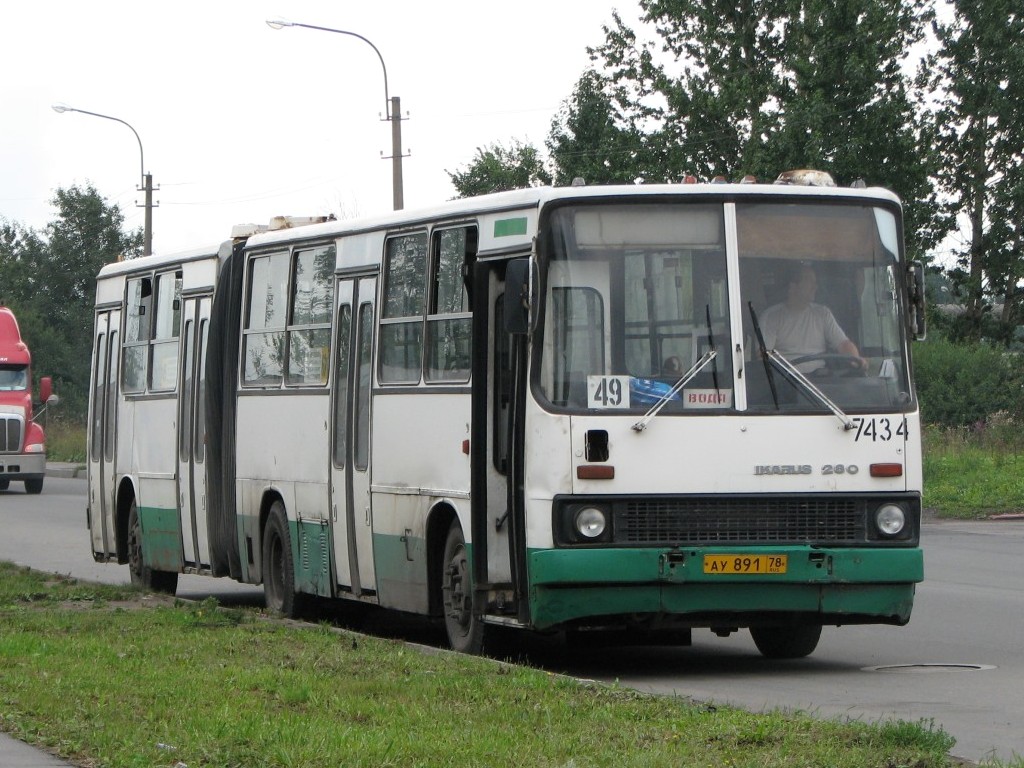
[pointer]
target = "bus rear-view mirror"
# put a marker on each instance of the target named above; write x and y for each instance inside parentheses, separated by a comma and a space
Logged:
(519, 296)
(916, 299)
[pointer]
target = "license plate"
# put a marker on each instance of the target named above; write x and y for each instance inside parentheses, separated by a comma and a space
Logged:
(744, 563)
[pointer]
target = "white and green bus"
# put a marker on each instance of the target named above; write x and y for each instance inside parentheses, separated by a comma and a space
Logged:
(557, 409)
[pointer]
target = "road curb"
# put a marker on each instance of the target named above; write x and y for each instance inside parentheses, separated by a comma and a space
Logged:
(65, 469)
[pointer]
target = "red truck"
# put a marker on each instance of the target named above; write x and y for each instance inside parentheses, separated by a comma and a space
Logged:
(22, 444)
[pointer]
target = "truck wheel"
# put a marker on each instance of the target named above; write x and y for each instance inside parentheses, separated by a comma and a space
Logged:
(792, 642)
(34, 486)
(142, 575)
(465, 630)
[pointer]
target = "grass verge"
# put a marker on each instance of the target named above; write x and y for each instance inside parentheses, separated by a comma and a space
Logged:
(974, 472)
(107, 676)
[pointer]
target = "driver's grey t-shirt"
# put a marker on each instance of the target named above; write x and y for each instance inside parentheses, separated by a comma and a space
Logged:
(798, 333)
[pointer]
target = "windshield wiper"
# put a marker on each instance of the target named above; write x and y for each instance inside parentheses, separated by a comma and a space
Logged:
(764, 355)
(706, 358)
(793, 374)
(711, 345)
(771, 357)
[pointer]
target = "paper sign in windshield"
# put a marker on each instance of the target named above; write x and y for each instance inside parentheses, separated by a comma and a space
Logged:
(707, 398)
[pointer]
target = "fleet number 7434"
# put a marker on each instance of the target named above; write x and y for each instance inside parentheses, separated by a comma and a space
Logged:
(879, 429)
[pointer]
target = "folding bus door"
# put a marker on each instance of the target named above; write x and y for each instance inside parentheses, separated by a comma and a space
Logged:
(192, 432)
(103, 433)
(351, 516)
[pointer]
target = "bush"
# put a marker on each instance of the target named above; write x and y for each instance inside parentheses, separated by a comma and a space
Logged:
(963, 384)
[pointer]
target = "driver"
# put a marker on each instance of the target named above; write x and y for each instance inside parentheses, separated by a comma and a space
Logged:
(800, 328)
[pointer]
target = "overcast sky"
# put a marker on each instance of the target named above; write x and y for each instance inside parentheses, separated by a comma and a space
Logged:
(240, 122)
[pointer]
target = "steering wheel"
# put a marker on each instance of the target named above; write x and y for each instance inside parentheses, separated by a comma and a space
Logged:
(836, 364)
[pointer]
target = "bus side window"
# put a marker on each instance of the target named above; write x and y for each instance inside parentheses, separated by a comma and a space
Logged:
(401, 331)
(449, 320)
(341, 384)
(199, 450)
(99, 379)
(309, 328)
(267, 304)
(578, 328)
(111, 407)
(167, 329)
(185, 401)
(138, 318)
(364, 349)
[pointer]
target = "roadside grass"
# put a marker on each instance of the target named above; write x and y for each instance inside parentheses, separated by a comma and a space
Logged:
(974, 472)
(108, 676)
(21, 586)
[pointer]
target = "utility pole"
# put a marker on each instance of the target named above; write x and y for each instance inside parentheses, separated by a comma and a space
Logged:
(147, 178)
(392, 103)
(147, 232)
(396, 153)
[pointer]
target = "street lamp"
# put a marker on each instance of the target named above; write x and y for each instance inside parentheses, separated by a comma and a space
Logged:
(147, 178)
(393, 107)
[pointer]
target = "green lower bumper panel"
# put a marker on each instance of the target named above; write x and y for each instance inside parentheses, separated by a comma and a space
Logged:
(836, 585)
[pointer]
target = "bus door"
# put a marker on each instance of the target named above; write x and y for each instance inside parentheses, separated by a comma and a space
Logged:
(351, 517)
(495, 516)
(103, 433)
(192, 432)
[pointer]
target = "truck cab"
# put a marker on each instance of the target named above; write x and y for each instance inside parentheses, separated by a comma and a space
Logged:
(22, 442)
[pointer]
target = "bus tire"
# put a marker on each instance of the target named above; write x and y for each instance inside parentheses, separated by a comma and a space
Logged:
(465, 630)
(789, 642)
(4, 485)
(34, 486)
(142, 575)
(278, 566)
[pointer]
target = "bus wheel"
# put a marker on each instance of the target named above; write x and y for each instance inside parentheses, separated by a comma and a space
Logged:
(142, 575)
(792, 642)
(4, 485)
(34, 486)
(278, 567)
(465, 631)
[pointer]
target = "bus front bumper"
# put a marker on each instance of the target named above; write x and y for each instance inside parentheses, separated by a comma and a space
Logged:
(824, 585)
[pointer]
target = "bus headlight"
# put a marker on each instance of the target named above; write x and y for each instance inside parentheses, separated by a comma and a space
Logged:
(591, 522)
(890, 519)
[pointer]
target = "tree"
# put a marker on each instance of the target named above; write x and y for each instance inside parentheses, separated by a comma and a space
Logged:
(709, 117)
(496, 169)
(850, 107)
(759, 86)
(16, 243)
(980, 136)
(49, 279)
(587, 141)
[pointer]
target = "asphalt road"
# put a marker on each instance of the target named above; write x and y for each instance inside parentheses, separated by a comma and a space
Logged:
(959, 662)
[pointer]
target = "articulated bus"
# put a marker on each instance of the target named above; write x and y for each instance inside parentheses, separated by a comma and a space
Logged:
(555, 409)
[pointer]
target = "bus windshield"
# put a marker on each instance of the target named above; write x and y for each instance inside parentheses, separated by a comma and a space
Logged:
(13, 378)
(637, 295)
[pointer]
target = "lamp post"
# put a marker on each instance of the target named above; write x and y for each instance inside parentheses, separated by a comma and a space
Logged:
(393, 107)
(147, 178)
